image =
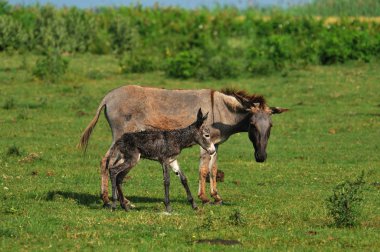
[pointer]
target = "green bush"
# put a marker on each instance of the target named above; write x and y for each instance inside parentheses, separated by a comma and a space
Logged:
(4, 7)
(101, 43)
(81, 28)
(260, 67)
(184, 65)
(50, 30)
(51, 67)
(137, 63)
(223, 66)
(12, 35)
(124, 36)
(203, 43)
(344, 206)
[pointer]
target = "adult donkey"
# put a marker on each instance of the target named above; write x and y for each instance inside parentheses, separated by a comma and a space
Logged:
(134, 108)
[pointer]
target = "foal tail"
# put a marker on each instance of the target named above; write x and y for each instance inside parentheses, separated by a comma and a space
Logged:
(87, 132)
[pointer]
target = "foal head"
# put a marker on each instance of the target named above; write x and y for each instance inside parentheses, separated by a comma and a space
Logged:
(202, 133)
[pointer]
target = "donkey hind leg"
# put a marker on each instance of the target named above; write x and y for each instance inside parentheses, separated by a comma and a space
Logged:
(104, 182)
(175, 167)
(213, 169)
(166, 173)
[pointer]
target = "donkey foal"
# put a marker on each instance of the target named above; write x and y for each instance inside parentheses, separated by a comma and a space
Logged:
(162, 146)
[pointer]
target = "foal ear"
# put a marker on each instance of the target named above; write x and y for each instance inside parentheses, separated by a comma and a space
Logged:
(278, 110)
(200, 118)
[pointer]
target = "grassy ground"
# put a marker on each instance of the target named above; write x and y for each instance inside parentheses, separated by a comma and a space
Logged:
(50, 191)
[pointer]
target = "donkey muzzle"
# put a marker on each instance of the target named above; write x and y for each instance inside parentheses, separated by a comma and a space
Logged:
(260, 157)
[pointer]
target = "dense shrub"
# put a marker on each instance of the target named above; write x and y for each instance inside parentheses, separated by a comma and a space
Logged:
(344, 205)
(183, 65)
(81, 28)
(224, 65)
(12, 35)
(51, 67)
(141, 62)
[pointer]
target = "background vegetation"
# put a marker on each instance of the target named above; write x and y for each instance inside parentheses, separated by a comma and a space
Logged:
(325, 70)
(224, 42)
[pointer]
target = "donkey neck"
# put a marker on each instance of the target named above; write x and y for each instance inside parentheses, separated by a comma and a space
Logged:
(229, 116)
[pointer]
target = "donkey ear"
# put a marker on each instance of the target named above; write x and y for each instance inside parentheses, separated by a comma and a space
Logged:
(244, 101)
(204, 118)
(278, 110)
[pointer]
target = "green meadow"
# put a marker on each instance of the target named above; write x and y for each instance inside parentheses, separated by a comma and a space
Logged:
(50, 190)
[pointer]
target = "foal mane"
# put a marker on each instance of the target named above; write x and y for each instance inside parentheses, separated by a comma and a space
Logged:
(244, 98)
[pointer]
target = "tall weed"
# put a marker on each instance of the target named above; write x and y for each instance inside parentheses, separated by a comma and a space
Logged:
(344, 206)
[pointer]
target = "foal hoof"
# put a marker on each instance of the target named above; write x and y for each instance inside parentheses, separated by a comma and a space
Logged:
(128, 206)
(195, 207)
(107, 205)
(168, 209)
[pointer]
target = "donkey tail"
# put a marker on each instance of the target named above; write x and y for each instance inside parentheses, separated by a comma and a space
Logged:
(87, 132)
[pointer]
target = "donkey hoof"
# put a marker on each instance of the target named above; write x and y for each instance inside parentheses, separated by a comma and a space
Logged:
(206, 202)
(218, 203)
(195, 207)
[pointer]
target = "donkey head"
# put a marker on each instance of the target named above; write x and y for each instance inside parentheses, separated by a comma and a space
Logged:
(260, 124)
(202, 133)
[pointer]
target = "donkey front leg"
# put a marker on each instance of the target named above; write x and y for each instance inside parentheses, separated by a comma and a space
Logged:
(213, 169)
(165, 168)
(203, 171)
(175, 167)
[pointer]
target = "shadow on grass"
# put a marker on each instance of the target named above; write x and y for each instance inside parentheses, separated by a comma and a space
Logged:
(85, 199)
(94, 201)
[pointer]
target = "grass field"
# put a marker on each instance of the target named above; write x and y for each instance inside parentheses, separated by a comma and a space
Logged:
(50, 190)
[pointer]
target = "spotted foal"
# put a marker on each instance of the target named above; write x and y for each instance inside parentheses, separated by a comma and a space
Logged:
(162, 146)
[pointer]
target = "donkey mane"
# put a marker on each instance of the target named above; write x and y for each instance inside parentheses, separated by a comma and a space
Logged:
(241, 94)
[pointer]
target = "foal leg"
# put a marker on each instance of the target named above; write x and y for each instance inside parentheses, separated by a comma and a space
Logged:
(114, 172)
(124, 202)
(165, 168)
(175, 167)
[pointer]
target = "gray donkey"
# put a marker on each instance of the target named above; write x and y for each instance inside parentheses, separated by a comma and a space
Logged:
(162, 146)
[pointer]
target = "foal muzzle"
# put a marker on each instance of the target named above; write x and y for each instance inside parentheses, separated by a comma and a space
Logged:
(211, 150)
